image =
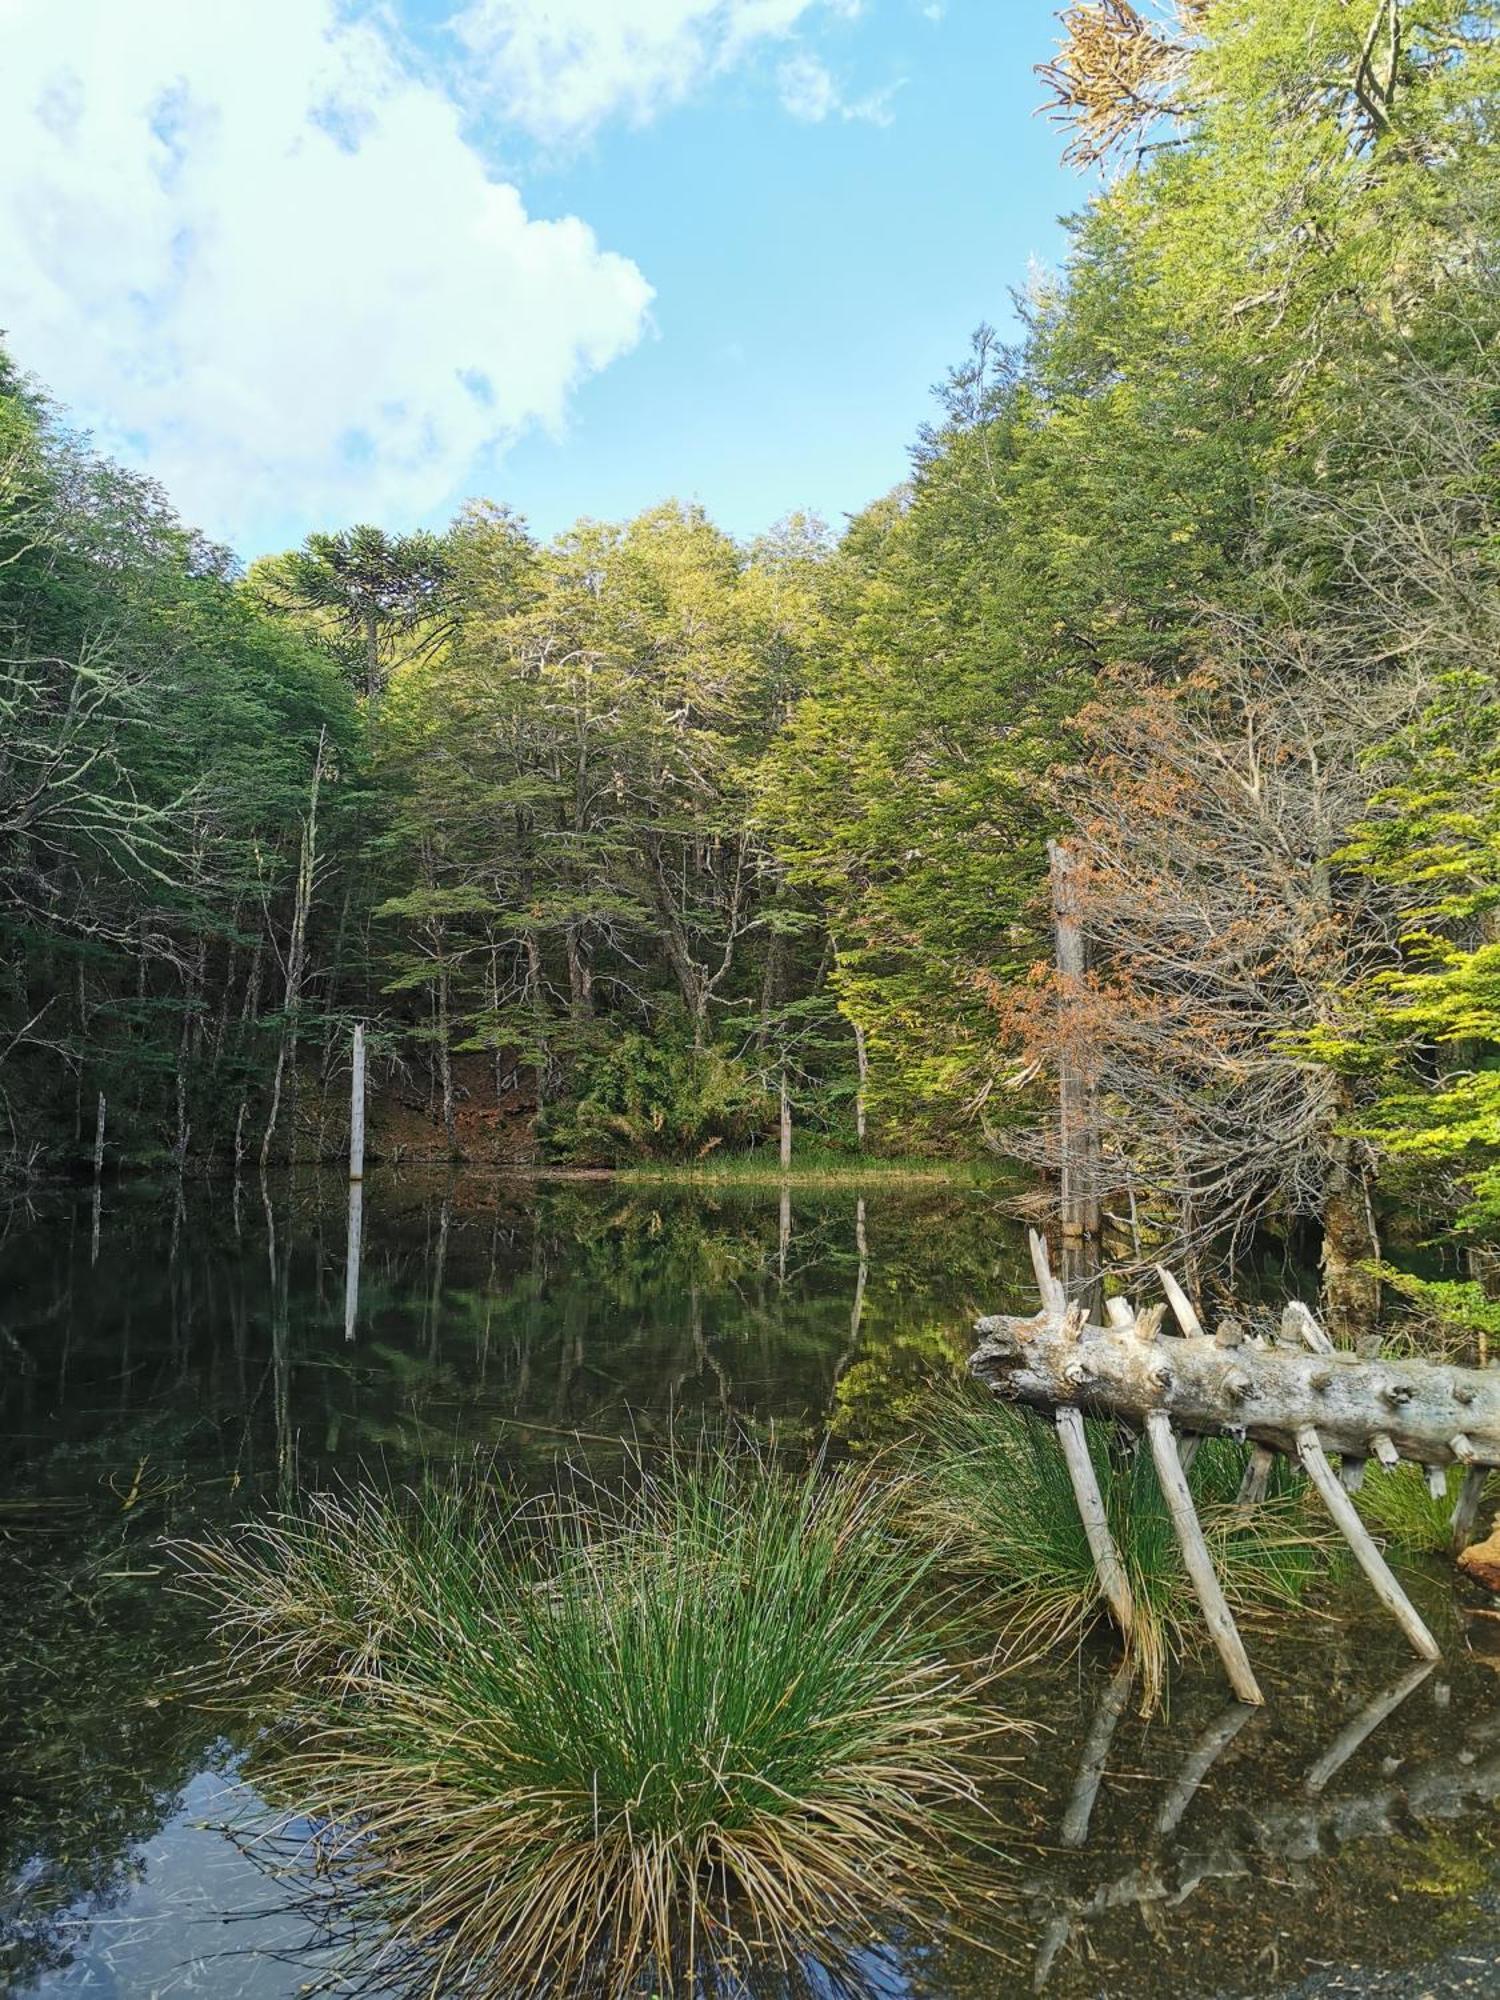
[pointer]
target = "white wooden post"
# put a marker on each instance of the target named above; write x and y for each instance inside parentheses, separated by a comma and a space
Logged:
(357, 1107)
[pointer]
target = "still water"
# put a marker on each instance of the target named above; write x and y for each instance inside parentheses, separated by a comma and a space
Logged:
(183, 1359)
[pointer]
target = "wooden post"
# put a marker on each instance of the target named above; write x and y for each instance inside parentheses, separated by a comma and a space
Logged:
(357, 1106)
(1371, 1561)
(352, 1256)
(1078, 1142)
(1197, 1560)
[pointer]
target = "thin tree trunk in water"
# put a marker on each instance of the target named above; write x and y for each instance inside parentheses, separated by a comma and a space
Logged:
(786, 1123)
(98, 1180)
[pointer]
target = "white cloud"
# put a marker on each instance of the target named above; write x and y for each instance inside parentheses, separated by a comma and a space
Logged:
(560, 68)
(809, 92)
(261, 258)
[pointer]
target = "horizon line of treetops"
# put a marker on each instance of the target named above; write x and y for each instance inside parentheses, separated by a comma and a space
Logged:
(647, 838)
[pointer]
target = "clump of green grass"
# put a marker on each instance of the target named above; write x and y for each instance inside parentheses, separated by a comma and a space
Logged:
(597, 1749)
(996, 1493)
(1399, 1507)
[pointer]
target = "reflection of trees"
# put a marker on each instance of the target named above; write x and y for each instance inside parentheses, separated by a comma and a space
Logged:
(96, 1739)
(196, 1368)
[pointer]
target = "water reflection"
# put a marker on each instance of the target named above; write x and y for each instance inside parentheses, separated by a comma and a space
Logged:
(179, 1359)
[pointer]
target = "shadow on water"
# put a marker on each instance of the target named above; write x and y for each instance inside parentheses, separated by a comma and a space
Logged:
(184, 1359)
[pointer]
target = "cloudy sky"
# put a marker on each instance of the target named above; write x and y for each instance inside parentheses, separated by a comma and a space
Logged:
(310, 262)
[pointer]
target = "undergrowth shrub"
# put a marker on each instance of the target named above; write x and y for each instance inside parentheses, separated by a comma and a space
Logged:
(645, 1097)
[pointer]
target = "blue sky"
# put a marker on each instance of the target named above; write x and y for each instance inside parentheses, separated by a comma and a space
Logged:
(309, 263)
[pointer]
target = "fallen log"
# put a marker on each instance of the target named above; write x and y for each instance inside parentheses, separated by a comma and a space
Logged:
(1299, 1396)
(1426, 1411)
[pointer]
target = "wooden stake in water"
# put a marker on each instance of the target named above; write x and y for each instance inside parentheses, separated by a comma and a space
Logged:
(357, 1106)
(1371, 1561)
(352, 1256)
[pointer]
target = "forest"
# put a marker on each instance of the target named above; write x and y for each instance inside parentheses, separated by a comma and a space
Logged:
(645, 843)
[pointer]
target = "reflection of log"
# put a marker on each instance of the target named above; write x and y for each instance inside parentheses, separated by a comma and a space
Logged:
(1205, 1753)
(1364, 1725)
(1445, 1789)
(1106, 1719)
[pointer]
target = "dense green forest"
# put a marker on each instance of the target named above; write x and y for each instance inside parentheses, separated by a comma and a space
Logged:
(635, 842)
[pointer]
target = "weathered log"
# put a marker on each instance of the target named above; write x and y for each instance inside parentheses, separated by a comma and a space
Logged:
(1427, 1411)
(1303, 1398)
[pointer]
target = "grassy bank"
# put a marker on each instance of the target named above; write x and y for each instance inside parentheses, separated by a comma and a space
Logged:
(813, 1168)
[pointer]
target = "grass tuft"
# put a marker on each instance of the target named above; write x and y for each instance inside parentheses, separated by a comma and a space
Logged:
(999, 1501)
(600, 1748)
(1397, 1505)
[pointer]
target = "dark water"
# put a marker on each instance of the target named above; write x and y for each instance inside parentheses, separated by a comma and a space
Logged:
(189, 1364)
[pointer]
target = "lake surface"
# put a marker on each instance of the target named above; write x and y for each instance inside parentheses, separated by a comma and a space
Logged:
(182, 1360)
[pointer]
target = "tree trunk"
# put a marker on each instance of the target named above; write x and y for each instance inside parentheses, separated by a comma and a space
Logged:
(1351, 1250)
(1078, 1143)
(296, 959)
(580, 976)
(372, 658)
(862, 1059)
(786, 1123)
(445, 1057)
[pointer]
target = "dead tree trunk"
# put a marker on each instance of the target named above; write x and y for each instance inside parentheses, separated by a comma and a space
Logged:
(1078, 1125)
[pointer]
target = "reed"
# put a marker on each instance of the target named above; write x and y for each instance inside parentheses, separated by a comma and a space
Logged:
(1397, 1505)
(600, 1747)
